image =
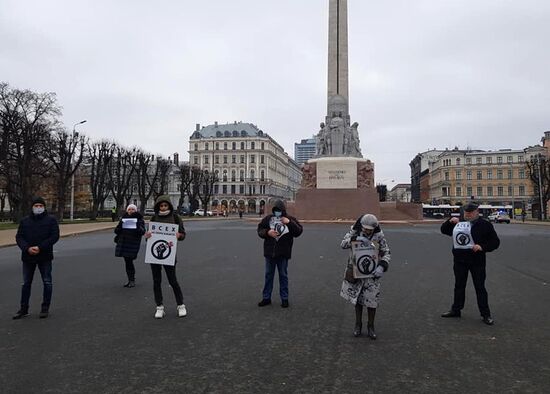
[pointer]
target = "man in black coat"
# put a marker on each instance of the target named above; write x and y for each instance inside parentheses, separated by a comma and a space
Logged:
(472, 239)
(278, 231)
(36, 235)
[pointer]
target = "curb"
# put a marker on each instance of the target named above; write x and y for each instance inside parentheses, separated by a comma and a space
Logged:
(71, 234)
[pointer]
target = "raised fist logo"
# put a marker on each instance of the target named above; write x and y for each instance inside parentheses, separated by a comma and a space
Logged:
(366, 264)
(161, 249)
(462, 239)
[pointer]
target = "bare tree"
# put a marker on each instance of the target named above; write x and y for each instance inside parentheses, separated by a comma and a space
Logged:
(161, 186)
(206, 188)
(27, 119)
(539, 173)
(194, 187)
(184, 182)
(100, 156)
(121, 169)
(145, 175)
(66, 154)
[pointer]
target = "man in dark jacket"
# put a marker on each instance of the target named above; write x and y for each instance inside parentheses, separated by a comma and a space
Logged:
(472, 239)
(36, 235)
(278, 231)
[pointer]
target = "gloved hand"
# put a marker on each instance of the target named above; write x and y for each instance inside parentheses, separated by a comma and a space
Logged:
(378, 272)
(362, 239)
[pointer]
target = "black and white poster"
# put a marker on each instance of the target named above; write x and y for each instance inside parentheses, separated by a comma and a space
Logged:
(365, 258)
(161, 247)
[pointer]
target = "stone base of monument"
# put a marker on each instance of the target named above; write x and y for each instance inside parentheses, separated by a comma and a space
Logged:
(336, 188)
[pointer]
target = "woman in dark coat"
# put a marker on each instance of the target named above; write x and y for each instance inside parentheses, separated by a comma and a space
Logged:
(129, 231)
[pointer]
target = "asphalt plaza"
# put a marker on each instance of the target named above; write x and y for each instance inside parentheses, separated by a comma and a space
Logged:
(101, 337)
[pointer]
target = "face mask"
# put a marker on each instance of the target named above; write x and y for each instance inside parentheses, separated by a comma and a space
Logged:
(277, 214)
(164, 213)
(37, 211)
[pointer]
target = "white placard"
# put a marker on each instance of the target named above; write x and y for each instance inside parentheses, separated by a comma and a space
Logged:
(365, 259)
(162, 246)
(276, 224)
(129, 223)
(462, 236)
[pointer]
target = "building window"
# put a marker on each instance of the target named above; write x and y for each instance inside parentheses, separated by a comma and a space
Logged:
(469, 175)
(510, 159)
(478, 175)
(446, 175)
(459, 191)
(242, 159)
(522, 190)
(216, 189)
(458, 175)
(262, 159)
(510, 190)
(233, 159)
(262, 175)
(263, 146)
(217, 159)
(468, 160)
(217, 146)
(233, 189)
(233, 175)
(206, 146)
(520, 159)
(521, 174)
(469, 190)
(234, 145)
(196, 160)
(499, 174)
(458, 161)
(196, 146)
(479, 191)
(242, 145)
(490, 191)
(499, 160)
(510, 174)
(224, 189)
(252, 145)
(445, 191)
(241, 189)
(252, 158)
(225, 175)
(489, 174)
(224, 159)
(206, 160)
(488, 160)
(478, 160)
(241, 176)
(251, 175)
(500, 191)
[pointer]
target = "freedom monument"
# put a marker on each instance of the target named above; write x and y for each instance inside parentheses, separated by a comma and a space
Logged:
(337, 183)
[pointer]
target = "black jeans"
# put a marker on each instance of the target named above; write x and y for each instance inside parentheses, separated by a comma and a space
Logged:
(461, 269)
(156, 269)
(130, 269)
(45, 269)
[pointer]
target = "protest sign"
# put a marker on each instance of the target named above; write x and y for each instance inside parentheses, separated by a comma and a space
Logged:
(161, 247)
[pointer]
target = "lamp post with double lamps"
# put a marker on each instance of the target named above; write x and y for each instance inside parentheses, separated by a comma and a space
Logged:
(72, 177)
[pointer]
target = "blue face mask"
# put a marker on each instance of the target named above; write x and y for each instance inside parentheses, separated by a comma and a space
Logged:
(277, 214)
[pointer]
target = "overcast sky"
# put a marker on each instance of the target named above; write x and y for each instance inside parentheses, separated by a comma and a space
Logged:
(423, 74)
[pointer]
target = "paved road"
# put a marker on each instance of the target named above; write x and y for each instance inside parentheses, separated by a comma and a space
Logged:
(102, 337)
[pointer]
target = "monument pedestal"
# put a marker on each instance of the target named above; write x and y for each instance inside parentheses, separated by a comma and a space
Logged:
(336, 188)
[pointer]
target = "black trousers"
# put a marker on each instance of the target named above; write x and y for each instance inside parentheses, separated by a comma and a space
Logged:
(170, 270)
(130, 269)
(461, 270)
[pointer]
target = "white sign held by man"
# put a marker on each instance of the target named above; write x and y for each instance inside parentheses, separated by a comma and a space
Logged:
(162, 246)
(365, 258)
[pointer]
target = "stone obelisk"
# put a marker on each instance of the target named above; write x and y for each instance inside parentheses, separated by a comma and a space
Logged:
(337, 183)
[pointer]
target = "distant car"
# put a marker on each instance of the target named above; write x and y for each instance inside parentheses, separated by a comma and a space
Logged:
(149, 212)
(184, 211)
(438, 215)
(200, 212)
(499, 217)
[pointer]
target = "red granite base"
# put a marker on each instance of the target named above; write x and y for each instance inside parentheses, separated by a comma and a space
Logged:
(334, 204)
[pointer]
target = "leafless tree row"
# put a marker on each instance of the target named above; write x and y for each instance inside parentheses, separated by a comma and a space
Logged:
(35, 148)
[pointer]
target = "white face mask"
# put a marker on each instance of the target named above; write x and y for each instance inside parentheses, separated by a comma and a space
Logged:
(37, 211)
(164, 213)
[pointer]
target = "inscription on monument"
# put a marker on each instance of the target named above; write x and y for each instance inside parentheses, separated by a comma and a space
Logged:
(336, 174)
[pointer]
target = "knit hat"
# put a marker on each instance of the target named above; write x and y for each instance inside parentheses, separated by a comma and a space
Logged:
(369, 221)
(131, 206)
(38, 200)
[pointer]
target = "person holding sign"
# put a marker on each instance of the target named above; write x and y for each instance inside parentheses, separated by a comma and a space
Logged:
(472, 239)
(278, 231)
(129, 231)
(164, 225)
(369, 259)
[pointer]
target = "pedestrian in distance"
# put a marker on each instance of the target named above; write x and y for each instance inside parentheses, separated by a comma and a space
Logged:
(164, 213)
(113, 214)
(365, 292)
(473, 238)
(278, 231)
(523, 215)
(36, 235)
(129, 231)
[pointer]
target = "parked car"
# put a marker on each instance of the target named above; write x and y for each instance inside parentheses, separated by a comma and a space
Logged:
(149, 212)
(184, 211)
(200, 212)
(499, 217)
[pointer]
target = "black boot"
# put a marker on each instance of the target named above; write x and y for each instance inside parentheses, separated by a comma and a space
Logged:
(131, 283)
(358, 320)
(21, 313)
(370, 325)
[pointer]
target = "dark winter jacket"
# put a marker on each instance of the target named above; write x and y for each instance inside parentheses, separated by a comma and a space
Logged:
(129, 240)
(37, 230)
(282, 247)
(172, 217)
(483, 234)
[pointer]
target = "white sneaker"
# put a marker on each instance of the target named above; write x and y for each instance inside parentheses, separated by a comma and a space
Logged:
(159, 314)
(182, 311)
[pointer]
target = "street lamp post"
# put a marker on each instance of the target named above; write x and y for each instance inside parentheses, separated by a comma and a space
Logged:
(540, 186)
(72, 177)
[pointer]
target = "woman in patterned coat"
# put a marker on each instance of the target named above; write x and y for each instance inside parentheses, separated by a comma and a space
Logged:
(365, 291)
